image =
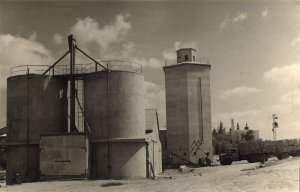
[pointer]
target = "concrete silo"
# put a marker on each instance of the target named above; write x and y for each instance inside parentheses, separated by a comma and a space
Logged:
(188, 108)
(114, 109)
(36, 104)
(45, 112)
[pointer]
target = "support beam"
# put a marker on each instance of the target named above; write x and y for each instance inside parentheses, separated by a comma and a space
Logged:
(52, 66)
(72, 46)
(106, 68)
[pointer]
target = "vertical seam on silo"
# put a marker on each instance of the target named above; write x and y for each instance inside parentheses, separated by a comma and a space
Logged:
(28, 124)
(107, 122)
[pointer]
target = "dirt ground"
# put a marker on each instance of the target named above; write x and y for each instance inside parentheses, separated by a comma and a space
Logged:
(279, 176)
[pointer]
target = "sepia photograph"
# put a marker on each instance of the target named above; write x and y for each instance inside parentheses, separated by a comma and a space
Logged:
(150, 95)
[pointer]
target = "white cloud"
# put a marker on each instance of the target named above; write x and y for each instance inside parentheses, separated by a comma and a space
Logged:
(57, 38)
(241, 16)
(108, 41)
(152, 63)
(295, 41)
(292, 97)
(226, 22)
(266, 12)
(155, 98)
(238, 18)
(238, 92)
(286, 76)
(239, 114)
(91, 35)
(169, 54)
(15, 50)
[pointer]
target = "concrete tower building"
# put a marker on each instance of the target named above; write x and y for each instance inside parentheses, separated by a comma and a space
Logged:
(188, 108)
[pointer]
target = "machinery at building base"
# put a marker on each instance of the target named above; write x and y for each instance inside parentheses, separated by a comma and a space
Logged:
(260, 151)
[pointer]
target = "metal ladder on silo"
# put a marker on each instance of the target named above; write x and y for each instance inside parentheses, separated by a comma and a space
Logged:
(81, 124)
(79, 106)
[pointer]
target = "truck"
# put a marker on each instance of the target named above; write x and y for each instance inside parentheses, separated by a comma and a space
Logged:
(260, 151)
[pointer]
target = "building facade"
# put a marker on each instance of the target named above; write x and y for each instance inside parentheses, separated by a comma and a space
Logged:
(188, 108)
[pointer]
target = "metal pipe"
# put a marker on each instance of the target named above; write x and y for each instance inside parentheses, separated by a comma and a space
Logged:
(52, 66)
(72, 82)
(89, 57)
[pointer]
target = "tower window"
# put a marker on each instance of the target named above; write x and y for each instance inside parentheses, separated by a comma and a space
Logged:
(193, 57)
(178, 59)
(186, 58)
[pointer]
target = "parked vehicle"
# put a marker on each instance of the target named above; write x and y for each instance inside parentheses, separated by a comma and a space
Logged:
(260, 151)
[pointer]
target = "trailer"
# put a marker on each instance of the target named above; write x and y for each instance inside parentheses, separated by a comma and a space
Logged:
(260, 151)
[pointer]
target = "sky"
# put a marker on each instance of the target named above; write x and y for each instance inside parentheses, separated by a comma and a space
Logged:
(253, 48)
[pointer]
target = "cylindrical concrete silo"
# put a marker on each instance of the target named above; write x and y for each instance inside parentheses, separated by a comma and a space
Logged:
(114, 110)
(36, 104)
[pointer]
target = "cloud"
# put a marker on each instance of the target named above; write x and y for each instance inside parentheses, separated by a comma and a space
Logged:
(151, 63)
(226, 22)
(108, 41)
(295, 41)
(155, 98)
(292, 97)
(91, 35)
(265, 13)
(238, 92)
(57, 38)
(15, 50)
(241, 16)
(286, 76)
(238, 18)
(169, 54)
(239, 114)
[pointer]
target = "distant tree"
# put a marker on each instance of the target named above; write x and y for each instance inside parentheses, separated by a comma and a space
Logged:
(221, 139)
(214, 133)
(248, 136)
(221, 129)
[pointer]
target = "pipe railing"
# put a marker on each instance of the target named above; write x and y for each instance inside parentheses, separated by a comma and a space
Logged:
(117, 65)
(200, 61)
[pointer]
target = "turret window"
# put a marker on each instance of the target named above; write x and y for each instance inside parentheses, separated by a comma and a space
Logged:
(186, 58)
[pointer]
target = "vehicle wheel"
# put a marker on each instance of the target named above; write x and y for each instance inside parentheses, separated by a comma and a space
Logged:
(229, 161)
(250, 159)
(296, 154)
(226, 161)
(279, 157)
(283, 156)
(222, 162)
(262, 160)
(266, 158)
